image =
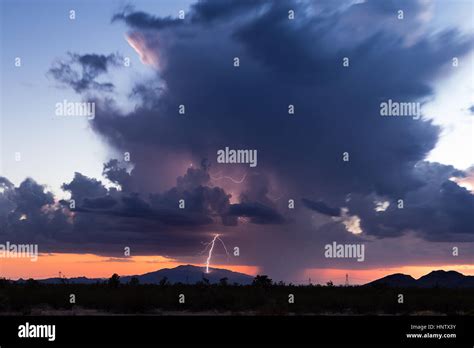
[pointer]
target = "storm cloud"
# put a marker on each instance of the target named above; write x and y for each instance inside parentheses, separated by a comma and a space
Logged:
(337, 108)
(81, 71)
(334, 63)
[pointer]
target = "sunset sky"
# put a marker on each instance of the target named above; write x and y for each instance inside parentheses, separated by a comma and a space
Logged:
(119, 203)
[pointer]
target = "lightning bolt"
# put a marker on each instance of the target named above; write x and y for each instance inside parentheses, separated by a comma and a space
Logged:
(211, 249)
(235, 181)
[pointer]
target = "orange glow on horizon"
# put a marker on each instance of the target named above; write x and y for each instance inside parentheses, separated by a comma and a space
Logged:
(95, 266)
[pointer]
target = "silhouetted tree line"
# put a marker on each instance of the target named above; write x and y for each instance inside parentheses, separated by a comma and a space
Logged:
(262, 296)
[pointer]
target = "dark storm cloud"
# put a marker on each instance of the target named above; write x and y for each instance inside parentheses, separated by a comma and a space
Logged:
(203, 12)
(299, 62)
(258, 213)
(80, 71)
(133, 207)
(82, 187)
(201, 203)
(326, 85)
(142, 20)
(105, 218)
(337, 110)
(439, 210)
(30, 196)
(6, 199)
(117, 174)
(99, 203)
(321, 207)
(27, 213)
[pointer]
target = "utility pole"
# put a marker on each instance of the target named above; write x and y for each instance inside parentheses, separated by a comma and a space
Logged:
(347, 280)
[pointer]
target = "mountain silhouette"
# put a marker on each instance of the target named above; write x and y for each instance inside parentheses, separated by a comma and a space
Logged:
(186, 274)
(442, 279)
(189, 274)
(396, 280)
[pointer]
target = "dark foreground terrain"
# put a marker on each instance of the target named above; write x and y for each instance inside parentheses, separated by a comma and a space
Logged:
(259, 298)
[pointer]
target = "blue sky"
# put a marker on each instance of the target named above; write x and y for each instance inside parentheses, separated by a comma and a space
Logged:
(53, 148)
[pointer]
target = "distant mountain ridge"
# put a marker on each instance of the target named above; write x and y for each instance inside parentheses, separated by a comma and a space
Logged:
(186, 274)
(440, 278)
(189, 274)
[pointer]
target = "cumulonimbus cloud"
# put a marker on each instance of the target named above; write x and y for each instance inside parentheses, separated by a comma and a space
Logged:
(283, 62)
